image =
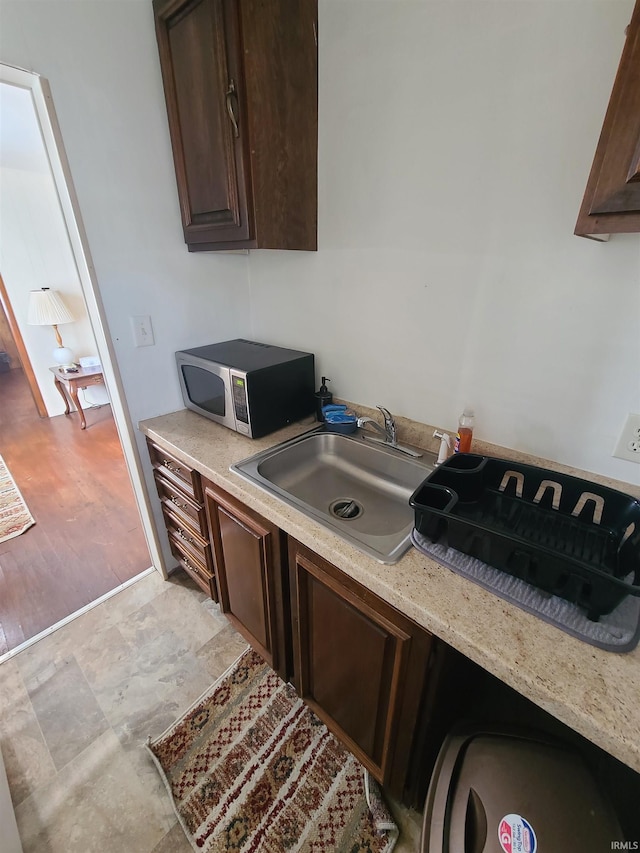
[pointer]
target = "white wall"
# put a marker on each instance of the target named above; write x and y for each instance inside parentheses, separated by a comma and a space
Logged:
(34, 245)
(455, 143)
(35, 252)
(101, 61)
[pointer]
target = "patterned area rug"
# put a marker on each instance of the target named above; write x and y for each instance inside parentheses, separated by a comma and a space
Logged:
(15, 518)
(250, 768)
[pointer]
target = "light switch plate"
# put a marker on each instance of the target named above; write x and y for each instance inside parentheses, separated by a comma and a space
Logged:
(142, 331)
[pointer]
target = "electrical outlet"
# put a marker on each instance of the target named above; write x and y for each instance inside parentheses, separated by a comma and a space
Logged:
(142, 331)
(628, 446)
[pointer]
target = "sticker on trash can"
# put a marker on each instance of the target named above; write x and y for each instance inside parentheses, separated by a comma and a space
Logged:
(516, 835)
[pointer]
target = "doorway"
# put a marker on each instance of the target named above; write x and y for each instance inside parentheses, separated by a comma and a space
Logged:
(86, 486)
(87, 540)
(13, 353)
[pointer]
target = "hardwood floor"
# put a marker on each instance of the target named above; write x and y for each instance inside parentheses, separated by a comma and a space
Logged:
(87, 538)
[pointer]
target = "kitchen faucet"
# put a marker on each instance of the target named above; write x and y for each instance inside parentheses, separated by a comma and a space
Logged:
(389, 432)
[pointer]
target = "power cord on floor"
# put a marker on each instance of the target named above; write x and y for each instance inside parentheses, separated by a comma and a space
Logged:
(87, 405)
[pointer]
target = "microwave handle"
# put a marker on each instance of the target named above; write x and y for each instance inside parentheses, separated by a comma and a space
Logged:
(239, 405)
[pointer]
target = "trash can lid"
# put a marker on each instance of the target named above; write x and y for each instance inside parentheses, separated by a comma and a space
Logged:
(511, 794)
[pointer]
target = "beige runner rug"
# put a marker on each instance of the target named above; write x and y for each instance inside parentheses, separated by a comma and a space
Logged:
(15, 517)
(252, 770)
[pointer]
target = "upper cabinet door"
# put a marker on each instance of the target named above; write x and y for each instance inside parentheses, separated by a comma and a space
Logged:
(202, 74)
(611, 202)
(241, 86)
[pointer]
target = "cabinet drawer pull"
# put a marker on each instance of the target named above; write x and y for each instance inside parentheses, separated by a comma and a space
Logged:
(232, 91)
(191, 566)
(169, 466)
(178, 502)
(185, 536)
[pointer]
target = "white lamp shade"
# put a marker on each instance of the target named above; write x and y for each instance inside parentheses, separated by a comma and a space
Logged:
(46, 308)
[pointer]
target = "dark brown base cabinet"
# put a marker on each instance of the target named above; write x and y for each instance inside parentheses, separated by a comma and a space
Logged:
(359, 664)
(248, 555)
(364, 668)
(385, 687)
(180, 491)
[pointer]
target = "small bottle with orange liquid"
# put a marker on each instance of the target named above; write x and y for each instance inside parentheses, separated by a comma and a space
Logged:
(465, 431)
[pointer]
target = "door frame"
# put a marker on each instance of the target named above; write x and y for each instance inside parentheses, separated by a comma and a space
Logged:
(23, 355)
(45, 112)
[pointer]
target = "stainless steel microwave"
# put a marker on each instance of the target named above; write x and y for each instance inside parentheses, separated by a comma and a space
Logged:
(250, 387)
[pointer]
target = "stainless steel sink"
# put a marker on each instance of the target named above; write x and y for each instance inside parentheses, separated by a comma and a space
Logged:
(359, 490)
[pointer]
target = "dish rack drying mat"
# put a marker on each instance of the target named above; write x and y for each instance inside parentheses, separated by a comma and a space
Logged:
(619, 631)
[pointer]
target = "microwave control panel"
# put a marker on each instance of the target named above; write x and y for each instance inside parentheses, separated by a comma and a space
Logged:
(239, 392)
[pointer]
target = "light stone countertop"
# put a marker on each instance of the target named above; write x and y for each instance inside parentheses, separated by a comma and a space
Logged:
(596, 693)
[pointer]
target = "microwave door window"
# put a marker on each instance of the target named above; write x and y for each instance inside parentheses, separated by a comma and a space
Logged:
(204, 389)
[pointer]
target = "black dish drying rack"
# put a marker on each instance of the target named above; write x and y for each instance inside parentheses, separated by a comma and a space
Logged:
(565, 535)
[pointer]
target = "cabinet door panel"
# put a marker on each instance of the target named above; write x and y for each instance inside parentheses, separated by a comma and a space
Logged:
(251, 578)
(367, 671)
(202, 74)
(611, 201)
(351, 661)
(246, 594)
(618, 187)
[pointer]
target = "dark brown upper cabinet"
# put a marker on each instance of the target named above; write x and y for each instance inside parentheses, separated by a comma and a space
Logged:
(611, 202)
(241, 85)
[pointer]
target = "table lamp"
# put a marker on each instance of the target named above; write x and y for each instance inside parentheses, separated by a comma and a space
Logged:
(46, 308)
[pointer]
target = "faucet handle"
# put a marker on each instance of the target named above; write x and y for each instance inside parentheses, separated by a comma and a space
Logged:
(389, 424)
(386, 413)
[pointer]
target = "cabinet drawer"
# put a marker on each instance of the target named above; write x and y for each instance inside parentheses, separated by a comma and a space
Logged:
(177, 472)
(190, 553)
(193, 567)
(183, 526)
(191, 542)
(174, 499)
(93, 380)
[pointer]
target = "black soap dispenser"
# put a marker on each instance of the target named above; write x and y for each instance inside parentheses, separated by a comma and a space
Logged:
(323, 398)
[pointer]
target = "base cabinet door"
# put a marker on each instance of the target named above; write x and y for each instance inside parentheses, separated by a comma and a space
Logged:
(248, 560)
(359, 664)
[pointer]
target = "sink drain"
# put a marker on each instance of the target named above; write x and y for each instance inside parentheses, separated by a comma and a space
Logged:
(346, 508)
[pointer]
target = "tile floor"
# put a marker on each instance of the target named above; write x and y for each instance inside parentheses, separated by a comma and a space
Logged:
(76, 708)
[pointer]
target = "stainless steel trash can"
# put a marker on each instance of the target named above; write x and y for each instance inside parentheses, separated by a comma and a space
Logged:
(507, 792)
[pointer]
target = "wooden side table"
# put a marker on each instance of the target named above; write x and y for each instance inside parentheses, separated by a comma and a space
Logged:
(70, 382)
